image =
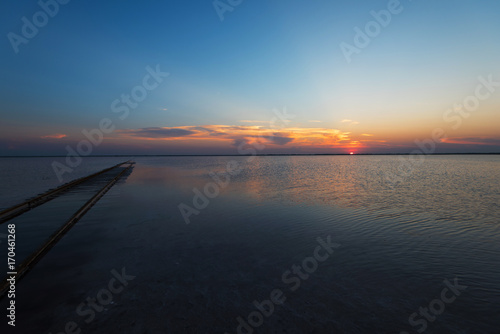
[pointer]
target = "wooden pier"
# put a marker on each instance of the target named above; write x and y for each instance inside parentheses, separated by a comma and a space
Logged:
(22, 269)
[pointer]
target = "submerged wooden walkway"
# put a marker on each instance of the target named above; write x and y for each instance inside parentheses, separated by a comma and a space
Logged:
(22, 269)
(16, 210)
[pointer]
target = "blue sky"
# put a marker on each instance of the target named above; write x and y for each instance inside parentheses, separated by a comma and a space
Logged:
(263, 55)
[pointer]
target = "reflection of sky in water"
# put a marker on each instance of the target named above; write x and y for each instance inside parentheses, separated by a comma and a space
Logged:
(457, 188)
(397, 247)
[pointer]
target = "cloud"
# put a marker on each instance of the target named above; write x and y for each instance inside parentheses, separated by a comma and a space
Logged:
(234, 135)
(367, 134)
(201, 128)
(278, 139)
(471, 141)
(350, 121)
(237, 142)
(161, 133)
(254, 121)
(313, 121)
(56, 136)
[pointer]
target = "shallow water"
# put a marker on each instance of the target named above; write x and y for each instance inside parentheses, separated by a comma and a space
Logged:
(397, 246)
(23, 178)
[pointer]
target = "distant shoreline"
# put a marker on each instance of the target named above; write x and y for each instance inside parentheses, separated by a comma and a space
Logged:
(236, 155)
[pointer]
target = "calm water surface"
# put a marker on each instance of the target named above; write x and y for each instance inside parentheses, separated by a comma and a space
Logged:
(397, 247)
(22, 178)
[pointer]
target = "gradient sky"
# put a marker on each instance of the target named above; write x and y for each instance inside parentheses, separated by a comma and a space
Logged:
(228, 78)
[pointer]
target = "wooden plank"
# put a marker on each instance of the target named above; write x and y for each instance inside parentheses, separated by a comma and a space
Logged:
(18, 209)
(36, 256)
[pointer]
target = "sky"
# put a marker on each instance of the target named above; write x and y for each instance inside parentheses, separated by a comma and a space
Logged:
(226, 77)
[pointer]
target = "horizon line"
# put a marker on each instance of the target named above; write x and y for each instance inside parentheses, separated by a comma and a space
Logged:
(236, 155)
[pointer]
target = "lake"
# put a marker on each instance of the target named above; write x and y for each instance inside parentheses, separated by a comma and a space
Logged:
(268, 244)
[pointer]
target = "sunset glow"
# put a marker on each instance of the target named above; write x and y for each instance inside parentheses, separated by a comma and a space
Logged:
(206, 90)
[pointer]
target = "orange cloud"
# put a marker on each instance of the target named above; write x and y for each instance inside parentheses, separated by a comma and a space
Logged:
(235, 135)
(56, 136)
(350, 121)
